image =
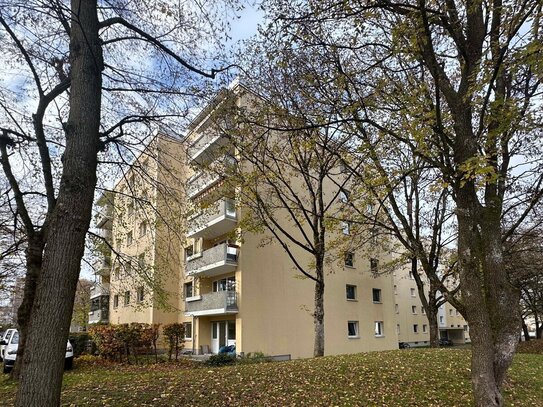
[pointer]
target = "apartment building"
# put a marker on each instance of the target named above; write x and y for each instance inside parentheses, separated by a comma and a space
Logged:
(412, 324)
(244, 293)
(99, 295)
(147, 226)
(180, 236)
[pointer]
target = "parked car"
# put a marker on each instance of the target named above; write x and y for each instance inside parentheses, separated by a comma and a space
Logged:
(5, 338)
(12, 345)
(404, 345)
(445, 342)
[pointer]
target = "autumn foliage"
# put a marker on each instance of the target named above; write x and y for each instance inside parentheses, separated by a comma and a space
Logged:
(119, 342)
(174, 335)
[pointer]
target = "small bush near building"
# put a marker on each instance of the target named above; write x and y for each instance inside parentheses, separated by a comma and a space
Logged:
(222, 359)
(174, 335)
(253, 357)
(534, 346)
(82, 343)
(119, 342)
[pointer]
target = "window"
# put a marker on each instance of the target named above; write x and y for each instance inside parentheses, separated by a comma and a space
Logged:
(140, 294)
(346, 228)
(397, 308)
(413, 292)
(231, 331)
(127, 298)
(424, 328)
(352, 329)
(422, 310)
(441, 319)
(374, 265)
(376, 295)
(411, 277)
(188, 330)
(115, 301)
(130, 209)
(143, 228)
(450, 312)
(465, 328)
(343, 196)
(141, 261)
(351, 292)
(397, 329)
(416, 328)
(379, 328)
(349, 259)
(395, 289)
(188, 290)
(413, 309)
(127, 269)
(457, 313)
(129, 238)
(225, 284)
(116, 273)
(189, 251)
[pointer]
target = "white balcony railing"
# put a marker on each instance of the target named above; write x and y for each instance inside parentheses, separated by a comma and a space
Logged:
(104, 217)
(99, 289)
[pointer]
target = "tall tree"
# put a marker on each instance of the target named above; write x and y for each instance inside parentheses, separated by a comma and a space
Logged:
(457, 83)
(65, 56)
(288, 183)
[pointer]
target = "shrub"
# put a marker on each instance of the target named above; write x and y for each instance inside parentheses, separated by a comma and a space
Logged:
(174, 335)
(82, 343)
(114, 342)
(254, 357)
(222, 359)
(534, 346)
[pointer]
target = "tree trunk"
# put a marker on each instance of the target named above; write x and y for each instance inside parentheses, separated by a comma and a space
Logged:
(318, 317)
(33, 254)
(432, 322)
(41, 374)
(490, 302)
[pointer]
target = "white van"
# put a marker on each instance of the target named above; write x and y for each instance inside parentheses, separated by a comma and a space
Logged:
(10, 353)
(6, 337)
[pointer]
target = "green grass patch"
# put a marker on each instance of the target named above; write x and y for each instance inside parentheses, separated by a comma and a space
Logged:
(415, 377)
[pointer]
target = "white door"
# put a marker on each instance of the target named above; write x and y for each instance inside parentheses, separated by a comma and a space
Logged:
(222, 333)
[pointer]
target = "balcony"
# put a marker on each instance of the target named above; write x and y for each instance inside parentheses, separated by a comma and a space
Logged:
(99, 289)
(201, 182)
(102, 266)
(215, 303)
(220, 259)
(99, 316)
(104, 217)
(218, 219)
(206, 148)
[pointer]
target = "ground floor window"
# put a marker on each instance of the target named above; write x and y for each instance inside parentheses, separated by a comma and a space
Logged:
(188, 330)
(352, 329)
(379, 328)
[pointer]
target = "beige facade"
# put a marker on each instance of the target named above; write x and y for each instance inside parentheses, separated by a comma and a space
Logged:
(146, 235)
(231, 291)
(412, 322)
(249, 294)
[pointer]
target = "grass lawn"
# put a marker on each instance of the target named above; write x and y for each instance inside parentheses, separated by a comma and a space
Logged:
(414, 377)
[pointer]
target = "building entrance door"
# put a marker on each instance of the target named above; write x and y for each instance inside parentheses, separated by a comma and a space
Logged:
(222, 333)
